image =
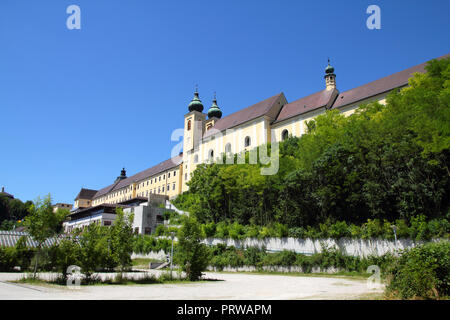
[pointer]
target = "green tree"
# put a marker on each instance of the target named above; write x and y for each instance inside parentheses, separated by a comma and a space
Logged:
(121, 234)
(42, 223)
(192, 255)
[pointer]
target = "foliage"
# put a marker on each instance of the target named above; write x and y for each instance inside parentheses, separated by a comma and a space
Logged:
(422, 272)
(12, 211)
(121, 239)
(192, 255)
(382, 163)
(42, 223)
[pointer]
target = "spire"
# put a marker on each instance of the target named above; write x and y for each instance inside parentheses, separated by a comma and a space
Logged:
(196, 103)
(214, 110)
(330, 77)
(123, 175)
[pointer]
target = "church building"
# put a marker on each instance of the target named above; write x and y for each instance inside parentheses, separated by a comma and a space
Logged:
(209, 135)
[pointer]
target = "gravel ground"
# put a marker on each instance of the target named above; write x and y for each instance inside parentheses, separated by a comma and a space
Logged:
(233, 286)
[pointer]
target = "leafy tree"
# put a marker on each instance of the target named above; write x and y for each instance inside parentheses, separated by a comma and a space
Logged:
(121, 234)
(42, 223)
(192, 255)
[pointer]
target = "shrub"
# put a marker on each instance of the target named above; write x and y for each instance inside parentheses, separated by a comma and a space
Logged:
(208, 230)
(421, 272)
(236, 231)
(7, 258)
(253, 256)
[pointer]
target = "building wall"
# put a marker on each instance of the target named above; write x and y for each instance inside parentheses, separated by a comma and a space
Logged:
(196, 150)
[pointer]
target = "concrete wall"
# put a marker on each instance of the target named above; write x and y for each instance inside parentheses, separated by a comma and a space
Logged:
(352, 247)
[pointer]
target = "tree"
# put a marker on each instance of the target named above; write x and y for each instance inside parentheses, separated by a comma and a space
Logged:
(42, 223)
(94, 249)
(122, 239)
(192, 255)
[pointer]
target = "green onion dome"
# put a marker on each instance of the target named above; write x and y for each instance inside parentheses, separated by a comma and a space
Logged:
(329, 69)
(196, 103)
(214, 110)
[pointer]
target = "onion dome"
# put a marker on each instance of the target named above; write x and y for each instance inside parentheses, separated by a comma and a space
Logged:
(196, 103)
(329, 69)
(214, 111)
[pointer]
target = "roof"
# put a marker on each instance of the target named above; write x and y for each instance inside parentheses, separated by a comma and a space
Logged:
(163, 166)
(10, 238)
(104, 206)
(268, 107)
(306, 104)
(86, 194)
(379, 86)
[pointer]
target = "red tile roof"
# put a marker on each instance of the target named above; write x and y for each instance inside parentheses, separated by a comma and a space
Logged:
(379, 86)
(86, 194)
(269, 107)
(306, 104)
(163, 166)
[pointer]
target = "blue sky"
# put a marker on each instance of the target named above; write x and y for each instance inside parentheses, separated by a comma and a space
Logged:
(77, 105)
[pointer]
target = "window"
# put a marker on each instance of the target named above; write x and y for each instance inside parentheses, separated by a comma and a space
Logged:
(189, 125)
(228, 148)
(247, 141)
(163, 189)
(173, 186)
(106, 223)
(284, 135)
(211, 155)
(164, 176)
(159, 178)
(185, 176)
(196, 158)
(168, 175)
(174, 173)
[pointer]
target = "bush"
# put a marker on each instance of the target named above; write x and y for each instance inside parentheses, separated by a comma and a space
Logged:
(253, 256)
(421, 272)
(7, 258)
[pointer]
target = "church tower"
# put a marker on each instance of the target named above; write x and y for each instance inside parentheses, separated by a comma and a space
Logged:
(330, 77)
(194, 122)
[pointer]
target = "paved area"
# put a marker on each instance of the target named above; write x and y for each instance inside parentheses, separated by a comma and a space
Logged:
(232, 286)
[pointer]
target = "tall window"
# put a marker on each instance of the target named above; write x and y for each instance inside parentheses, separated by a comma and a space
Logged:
(189, 125)
(211, 155)
(196, 158)
(228, 148)
(248, 141)
(284, 135)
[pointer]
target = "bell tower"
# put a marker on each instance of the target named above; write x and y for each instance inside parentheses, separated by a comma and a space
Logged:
(194, 122)
(330, 77)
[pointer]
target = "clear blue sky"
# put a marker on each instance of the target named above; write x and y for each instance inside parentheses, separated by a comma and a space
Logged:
(77, 105)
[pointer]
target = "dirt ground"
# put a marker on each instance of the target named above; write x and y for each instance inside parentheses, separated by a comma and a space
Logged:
(231, 286)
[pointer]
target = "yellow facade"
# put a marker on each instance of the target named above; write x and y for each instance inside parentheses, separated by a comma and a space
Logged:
(203, 142)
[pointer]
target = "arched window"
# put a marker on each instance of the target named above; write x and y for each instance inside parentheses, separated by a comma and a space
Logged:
(284, 135)
(211, 155)
(228, 148)
(248, 141)
(189, 125)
